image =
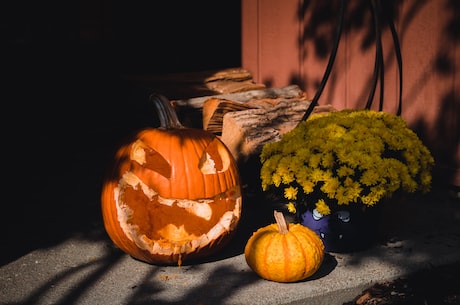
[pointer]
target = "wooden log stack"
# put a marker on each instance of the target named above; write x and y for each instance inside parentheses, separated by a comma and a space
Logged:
(245, 121)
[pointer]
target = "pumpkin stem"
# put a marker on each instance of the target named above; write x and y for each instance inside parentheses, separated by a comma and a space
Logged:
(166, 113)
(281, 222)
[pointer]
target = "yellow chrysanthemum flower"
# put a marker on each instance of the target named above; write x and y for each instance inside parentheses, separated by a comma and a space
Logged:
(290, 193)
(348, 156)
(322, 207)
(291, 207)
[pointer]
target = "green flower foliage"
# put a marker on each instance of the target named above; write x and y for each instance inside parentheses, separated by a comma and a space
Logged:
(348, 156)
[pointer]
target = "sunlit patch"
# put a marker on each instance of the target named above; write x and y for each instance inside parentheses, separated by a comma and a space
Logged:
(132, 180)
(124, 213)
(215, 159)
(150, 158)
(200, 209)
(175, 234)
(138, 152)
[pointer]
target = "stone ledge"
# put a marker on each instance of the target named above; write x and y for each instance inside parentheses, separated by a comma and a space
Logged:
(90, 270)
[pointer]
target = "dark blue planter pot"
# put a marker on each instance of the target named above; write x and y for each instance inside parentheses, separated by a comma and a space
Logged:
(344, 231)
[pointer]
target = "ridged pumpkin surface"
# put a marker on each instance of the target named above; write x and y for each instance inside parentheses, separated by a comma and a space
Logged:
(179, 163)
(172, 194)
(284, 257)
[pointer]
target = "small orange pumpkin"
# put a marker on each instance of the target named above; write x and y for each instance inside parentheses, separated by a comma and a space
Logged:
(283, 253)
(172, 193)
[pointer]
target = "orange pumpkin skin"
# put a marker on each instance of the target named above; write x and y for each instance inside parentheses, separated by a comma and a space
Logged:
(172, 195)
(284, 257)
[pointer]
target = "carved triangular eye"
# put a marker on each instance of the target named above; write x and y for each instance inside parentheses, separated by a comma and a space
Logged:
(215, 158)
(150, 158)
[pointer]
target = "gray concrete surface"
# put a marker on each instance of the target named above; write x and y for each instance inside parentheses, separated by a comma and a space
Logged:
(87, 269)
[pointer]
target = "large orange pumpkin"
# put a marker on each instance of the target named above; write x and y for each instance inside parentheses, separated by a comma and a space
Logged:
(172, 194)
(284, 253)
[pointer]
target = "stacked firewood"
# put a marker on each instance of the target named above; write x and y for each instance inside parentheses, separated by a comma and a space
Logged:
(245, 121)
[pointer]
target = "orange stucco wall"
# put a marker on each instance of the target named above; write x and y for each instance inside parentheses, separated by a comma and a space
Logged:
(289, 41)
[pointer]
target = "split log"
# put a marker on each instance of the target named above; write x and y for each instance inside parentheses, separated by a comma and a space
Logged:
(233, 74)
(215, 108)
(292, 91)
(231, 81)
(246, 132)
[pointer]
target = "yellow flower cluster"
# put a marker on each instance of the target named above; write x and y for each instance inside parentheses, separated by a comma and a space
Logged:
(348, 156)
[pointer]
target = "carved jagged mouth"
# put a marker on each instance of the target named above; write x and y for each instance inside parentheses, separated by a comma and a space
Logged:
(157, 236)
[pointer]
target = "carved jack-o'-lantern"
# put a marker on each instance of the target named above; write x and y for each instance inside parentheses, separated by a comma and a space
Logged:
(173, 193)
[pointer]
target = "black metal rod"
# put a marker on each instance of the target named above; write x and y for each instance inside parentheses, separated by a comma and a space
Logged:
(314, 102)
(397, 48)
(379, 67)
(378, 53)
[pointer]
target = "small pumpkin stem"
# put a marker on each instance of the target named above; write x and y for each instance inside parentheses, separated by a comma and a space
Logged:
(166, 113)
(179, 261)
(281, 222)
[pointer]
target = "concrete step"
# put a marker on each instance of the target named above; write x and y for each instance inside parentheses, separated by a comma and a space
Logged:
(87, 269)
